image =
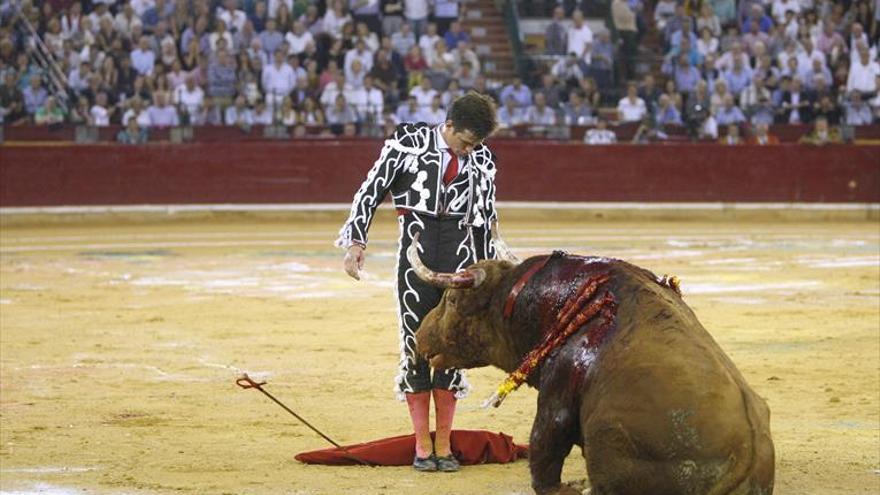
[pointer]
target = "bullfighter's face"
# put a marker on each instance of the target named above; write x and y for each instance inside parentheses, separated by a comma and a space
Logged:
(459, 332)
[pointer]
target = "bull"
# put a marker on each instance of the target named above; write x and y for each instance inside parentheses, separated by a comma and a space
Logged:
(654, 403)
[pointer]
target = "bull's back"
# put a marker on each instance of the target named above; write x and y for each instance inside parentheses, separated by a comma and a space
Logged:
(665, 396)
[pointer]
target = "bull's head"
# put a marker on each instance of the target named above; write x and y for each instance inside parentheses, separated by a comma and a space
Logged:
(463, 330)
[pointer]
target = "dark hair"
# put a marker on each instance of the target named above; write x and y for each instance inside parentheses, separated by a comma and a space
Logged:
(474, 112)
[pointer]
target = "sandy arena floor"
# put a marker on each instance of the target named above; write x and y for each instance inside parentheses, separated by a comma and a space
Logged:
(120, 344)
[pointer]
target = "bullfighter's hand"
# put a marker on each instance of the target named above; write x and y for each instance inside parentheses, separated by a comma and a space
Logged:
(354, 261)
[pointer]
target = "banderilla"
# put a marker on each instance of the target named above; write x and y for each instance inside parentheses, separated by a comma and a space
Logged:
(247, 382)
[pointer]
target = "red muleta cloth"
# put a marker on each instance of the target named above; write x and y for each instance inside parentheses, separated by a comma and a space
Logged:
(469, 446)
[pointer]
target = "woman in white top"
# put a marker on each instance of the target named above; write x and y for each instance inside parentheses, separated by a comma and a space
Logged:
(335, 18)
(707, 44)
(288, 115)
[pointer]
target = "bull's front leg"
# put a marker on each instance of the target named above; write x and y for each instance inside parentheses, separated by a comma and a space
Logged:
(553, 434)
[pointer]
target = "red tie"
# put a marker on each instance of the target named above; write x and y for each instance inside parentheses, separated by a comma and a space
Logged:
(451, 169)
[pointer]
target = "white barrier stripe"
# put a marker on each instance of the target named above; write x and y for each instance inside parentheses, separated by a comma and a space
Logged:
(513, 205)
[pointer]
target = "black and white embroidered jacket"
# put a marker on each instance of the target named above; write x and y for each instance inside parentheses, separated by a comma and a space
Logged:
(410, 168)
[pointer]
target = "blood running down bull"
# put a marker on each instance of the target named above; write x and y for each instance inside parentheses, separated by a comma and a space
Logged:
(623, 369)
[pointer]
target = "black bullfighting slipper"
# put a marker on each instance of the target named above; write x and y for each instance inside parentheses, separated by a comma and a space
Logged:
(425, 463)
(447, 464)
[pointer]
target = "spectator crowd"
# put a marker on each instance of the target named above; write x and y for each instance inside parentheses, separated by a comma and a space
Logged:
(349, 66)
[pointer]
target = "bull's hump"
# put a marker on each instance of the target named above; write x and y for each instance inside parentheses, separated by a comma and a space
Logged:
(549, 289)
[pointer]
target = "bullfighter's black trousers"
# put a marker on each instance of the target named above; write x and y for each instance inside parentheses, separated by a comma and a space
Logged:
(446, 247)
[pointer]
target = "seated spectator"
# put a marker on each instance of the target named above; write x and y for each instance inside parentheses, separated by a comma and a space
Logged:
(649, 91)
(136, 110)
(779, 9)
(708, 20)
(368, 102)
(361, 54)
(568, 69)
(263, 115)
(510, 114)
(817, 77)
(435, 114)
(231, 16)
(239, 114)
(384, 76)
(666, 113)
(335, 18)
(49, 113)
(726, 61)
(521, 93)
(340, 113)
(463, 54)
(753, 94)
(278, 79)
(11, 100)
(738, 77)
(577, 111)
(310, 113)
(725, 10)
(455, 35)
(424, 93)
(821, 134)
(763, 112)
(685, 75)
(551, 90)
(756, 14)
(190, 100)
(34, 95)
(828, 109)
(601, 134)
(857, 110)
(143, 58)
(540, 114)
(718, 95)
(161, 113)
(404, 39)
(415, 65)
(100, 113)
(356, 74)
(428, 41)
(707, 44)
(796, 105)
(133, 133)
(732, 136)
(408, 111)
(453, 91)
(222, 78)
(287, 115)
(761, 135)
(729, 113)
(334, 89)
(631, 108)
(863, 74)
(298, 39)
(829, 38)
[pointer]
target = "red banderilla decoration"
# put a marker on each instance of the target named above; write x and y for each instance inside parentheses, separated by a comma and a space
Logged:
(247, 382)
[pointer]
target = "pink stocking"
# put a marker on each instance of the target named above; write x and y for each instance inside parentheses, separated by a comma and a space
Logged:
(444, 409)
(419, 410)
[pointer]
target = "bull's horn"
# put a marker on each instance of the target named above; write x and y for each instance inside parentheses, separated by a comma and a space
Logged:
(469, 278)
(501, 247)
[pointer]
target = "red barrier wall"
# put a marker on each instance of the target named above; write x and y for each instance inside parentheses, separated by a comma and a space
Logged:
(331, 170)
